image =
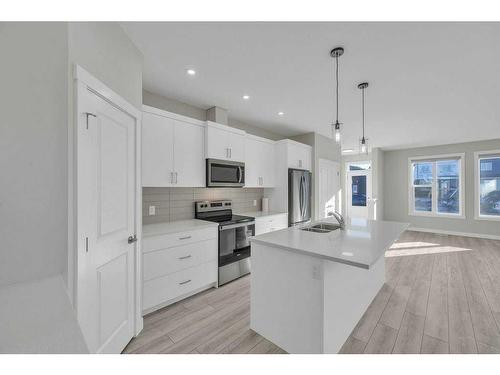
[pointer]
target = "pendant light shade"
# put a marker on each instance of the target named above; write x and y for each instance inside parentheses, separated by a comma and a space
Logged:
(336, 53)
(363, 142)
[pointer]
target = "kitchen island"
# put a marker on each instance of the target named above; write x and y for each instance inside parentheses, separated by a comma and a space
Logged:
(309, 289)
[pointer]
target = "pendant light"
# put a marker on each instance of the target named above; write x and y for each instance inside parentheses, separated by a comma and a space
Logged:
(363, 142)
(336, 53)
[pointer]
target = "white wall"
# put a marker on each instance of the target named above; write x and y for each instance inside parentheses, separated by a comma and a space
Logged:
(33, 150)
(105, 51)
(36, 96)
(396, 189)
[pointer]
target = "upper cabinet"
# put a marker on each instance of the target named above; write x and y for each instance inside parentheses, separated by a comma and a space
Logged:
(259, 162)
(224, 142)
(299, 155)
(172, 150)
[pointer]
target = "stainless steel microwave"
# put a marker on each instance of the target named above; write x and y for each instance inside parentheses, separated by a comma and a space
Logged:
(224, 173)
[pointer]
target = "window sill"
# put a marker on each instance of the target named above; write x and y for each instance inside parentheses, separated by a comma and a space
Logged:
(487, 218)
(437, 216)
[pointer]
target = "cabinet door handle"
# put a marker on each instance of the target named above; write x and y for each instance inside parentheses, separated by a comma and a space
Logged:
(185, 282)
(227, 153)
(185, 237)
(171, 177)
(185, 257)
(300, 163)
(175, 173)
(230, 153)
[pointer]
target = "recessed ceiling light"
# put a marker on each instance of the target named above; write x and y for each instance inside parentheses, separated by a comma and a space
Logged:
(281, 113)
(246, 97)
(347, 150)
(191, 72)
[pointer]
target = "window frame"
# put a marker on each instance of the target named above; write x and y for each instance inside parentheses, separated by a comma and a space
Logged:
(461, 186)
(478, 155)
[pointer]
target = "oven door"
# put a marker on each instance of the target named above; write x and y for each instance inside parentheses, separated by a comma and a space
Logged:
(234, 242)
(223, 173)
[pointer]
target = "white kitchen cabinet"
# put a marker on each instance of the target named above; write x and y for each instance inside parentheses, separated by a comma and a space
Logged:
(299, 155)
(259, 163)
(172, 150)
(157, 150)
(178, 264)
(224, 142)
(270, 223)
(189, 158)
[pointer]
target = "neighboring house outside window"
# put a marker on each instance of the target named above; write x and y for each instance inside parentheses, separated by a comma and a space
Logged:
(487, 185)
(436, 186)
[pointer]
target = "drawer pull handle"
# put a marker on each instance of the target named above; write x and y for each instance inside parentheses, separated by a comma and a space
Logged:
(185, 257)
(184, 238)
(185, 282)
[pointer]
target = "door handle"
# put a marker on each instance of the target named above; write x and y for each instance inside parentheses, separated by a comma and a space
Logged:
(132, 239)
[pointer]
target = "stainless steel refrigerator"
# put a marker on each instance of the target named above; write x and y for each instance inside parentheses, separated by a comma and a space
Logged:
(299, 196)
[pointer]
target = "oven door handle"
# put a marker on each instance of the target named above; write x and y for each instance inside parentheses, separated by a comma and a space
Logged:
(232, 226)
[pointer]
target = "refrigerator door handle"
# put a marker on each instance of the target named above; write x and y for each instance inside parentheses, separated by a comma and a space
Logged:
(300, 197)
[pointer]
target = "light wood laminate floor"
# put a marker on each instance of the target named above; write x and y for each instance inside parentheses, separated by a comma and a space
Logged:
(442, 295)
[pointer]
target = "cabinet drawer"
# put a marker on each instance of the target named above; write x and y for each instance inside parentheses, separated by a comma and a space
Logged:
(166, 261)
(176, 239)
(270, 223)
(162, 289)
(278, 222)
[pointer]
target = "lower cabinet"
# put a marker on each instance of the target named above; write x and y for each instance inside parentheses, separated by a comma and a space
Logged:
(172, 269)
(266, 224)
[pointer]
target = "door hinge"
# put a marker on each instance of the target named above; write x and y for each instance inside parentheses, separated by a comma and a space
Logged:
(89, 114)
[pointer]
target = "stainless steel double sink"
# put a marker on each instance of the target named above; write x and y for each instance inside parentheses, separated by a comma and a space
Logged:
(321, 227)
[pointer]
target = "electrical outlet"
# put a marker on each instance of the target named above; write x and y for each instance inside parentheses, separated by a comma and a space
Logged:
(255, 202)
(152, 210)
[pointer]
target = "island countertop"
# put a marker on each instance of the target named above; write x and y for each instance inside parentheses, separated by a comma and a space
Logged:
(361, 243)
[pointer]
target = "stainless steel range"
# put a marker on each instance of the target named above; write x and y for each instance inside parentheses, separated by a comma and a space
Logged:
(234, 234)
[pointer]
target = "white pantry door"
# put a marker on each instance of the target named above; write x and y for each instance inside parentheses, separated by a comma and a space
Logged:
(106, 218)
(329, 188)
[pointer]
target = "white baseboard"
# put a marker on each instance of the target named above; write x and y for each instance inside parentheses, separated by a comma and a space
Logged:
(452, 233)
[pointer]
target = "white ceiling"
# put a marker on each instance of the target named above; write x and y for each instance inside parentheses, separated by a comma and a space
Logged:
(430, 83)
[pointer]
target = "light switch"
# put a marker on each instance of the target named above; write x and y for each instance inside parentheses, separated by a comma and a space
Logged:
(152, 210)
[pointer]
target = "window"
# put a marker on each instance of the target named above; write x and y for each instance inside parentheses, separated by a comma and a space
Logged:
(487, 173)
(359, 165)
(436, 186)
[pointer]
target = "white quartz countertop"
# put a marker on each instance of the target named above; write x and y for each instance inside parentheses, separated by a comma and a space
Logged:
(257, 214)
(360, 244)
(176, 227)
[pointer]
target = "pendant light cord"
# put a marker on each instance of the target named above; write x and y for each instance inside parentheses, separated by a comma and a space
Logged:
(337, 87)
(363, 110)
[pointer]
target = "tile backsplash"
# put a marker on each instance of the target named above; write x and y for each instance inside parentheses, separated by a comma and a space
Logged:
(178, 203)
